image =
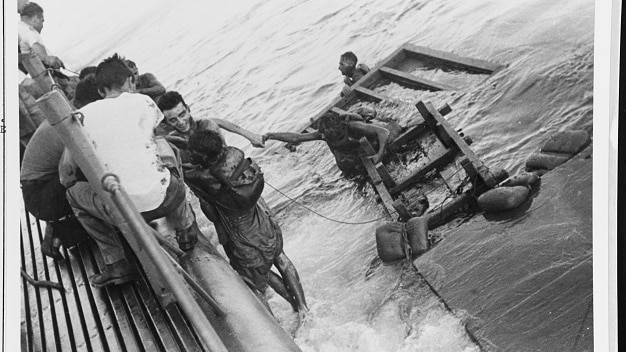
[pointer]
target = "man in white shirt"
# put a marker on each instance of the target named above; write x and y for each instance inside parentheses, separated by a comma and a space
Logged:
(122, 128)
(29, 37)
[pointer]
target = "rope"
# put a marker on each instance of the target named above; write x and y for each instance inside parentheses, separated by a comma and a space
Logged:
(321, 215)
(450, 194)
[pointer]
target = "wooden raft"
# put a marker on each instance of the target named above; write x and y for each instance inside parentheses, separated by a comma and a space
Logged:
(450, 145)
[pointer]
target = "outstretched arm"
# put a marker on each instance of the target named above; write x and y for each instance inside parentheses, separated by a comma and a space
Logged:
(350, 116)
(49, 60)
(364, 130)
(255, 139)
(291, 137)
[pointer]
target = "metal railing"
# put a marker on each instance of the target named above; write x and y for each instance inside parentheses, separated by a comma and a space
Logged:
(60, 113)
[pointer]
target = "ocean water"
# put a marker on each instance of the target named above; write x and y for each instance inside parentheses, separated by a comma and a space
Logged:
(271, 65)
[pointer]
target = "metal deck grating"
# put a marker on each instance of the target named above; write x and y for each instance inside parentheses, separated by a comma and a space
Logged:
(121, 318)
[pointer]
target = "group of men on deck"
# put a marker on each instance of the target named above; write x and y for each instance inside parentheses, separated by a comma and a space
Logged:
(125, 124)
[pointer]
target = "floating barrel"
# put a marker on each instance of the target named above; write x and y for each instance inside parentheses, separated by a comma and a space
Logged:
(391, 241)
(417, 234)
(397, 240)
(503, 198)
(557, 149)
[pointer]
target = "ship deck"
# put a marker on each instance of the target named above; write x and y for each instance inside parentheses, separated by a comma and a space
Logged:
(127, 317)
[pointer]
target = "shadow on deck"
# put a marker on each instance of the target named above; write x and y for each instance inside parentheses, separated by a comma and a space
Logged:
(121, 318)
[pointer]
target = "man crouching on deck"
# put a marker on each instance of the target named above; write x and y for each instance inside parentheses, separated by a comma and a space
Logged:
(229, 187)
(121, 127)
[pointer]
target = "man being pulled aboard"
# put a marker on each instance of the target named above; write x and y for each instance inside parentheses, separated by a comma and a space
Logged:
(178, 117)
(121, 127)
(342, 134)
(229, 187)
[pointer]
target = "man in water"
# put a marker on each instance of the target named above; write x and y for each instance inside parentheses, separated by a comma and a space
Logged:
(351, 71)
(121, 127)
(179, 120)
(342, 134)
(146, 83)
(229, 187)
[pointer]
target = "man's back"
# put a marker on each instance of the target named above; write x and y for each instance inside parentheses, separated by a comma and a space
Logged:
(122, 130)
(42, 155)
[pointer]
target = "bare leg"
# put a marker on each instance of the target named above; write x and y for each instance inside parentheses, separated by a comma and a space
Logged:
(292, 283)
(277, 284)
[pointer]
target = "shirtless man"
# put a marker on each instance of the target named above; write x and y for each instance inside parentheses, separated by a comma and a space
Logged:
(146, 83)
(229, 187)
(350, 70)
(181, 124)
(342, 134)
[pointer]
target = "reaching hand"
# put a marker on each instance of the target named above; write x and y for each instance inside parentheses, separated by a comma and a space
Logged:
(257, 141)
(376, 158)
(265, 137)
(55, 62)
(346, 90)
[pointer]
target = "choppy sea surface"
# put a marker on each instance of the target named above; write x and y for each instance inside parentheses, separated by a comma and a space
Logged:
(270, 65)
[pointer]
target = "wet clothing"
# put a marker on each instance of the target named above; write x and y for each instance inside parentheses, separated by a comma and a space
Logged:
(250, 237)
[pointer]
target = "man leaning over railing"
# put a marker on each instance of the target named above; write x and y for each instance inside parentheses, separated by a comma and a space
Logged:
(121, 127)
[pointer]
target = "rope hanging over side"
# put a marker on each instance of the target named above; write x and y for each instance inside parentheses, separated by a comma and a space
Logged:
(321, 215)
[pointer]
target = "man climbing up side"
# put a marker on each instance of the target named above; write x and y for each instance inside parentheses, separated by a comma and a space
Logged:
(229, 187)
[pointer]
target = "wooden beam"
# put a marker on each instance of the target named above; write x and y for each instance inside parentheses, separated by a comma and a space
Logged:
(338, 111)
(377, 181)
(473, 164)
(381, 169)
(430, 113)
(416, 130)
(436, 162)
(412, 81)
(370, 94)
(443, 58)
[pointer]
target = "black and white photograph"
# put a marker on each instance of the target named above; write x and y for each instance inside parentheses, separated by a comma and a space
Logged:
(315, 176)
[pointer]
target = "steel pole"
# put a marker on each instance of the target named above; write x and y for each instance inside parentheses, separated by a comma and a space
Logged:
(61, 115)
